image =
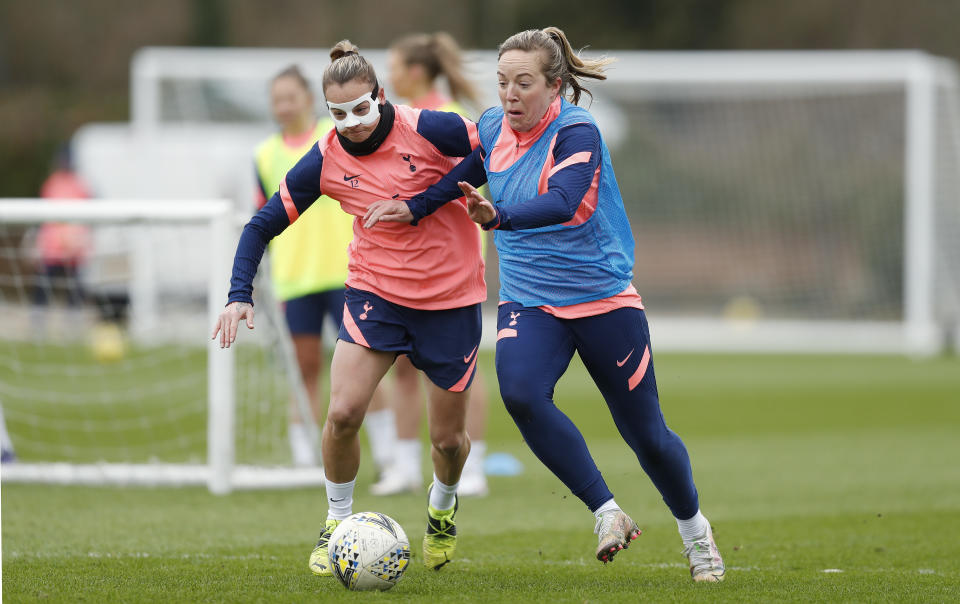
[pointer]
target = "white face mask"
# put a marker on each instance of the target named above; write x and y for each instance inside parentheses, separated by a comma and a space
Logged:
(351, 119)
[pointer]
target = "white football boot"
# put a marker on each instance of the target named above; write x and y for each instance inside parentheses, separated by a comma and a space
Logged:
(615, 530)
(706, 565)
(395, 481)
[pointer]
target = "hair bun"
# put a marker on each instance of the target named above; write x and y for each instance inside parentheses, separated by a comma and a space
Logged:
(343, 48)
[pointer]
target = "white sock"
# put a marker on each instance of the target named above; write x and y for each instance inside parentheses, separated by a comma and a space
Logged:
(407, 460)
(382, 432)
(300, 446)
(339, 499)
(442, 496)
(474, 463)
(693, 528)
(609, 506)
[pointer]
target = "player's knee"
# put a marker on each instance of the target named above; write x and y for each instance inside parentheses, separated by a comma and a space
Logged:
(309, 375)
(520, 397)
(344, 419)
(449, 444)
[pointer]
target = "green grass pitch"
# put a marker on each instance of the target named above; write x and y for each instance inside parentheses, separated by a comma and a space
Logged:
(826, 479)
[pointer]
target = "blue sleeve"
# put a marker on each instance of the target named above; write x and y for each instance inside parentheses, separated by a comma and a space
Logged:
(447, 132)
(470, 170)
(303, 185)
(303, 180)
(256, 173)
(565, 189)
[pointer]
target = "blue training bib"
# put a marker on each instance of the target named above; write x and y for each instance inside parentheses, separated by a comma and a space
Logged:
(561, 264)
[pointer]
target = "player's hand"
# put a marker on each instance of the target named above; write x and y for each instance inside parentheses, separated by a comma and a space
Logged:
(229, 320)
(480, 210)
(387, 210)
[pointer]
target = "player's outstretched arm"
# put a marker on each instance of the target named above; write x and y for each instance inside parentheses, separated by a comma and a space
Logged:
(229, 320)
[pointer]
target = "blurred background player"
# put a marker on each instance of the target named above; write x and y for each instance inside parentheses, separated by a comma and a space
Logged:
(558, 202)
(416, 63)
(409, 291)
(61, 248)
(308, 261)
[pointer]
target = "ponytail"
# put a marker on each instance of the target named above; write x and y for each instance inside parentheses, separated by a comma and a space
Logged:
(559, 59)
(447, 51)
(439, 54)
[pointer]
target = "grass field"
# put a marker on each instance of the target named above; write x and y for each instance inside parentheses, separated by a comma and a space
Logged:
(826, 479)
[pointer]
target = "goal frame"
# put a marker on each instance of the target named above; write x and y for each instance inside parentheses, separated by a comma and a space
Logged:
(220, 473)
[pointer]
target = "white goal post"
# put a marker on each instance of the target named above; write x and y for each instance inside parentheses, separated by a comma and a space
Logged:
(173, 259)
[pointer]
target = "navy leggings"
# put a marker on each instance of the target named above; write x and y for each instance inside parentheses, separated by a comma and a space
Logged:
(534, 349)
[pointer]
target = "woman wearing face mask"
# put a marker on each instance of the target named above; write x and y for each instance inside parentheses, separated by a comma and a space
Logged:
(566, 265)
(409, 291)
(307, 271)
(417, 63)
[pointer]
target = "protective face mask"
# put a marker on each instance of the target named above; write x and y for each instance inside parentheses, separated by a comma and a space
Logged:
(352, 120)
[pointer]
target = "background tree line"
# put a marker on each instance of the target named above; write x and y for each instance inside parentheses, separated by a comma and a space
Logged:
(66, 62)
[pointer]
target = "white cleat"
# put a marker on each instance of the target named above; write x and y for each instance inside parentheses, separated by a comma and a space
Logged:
(706, 565)
(615, 530)
(473, 485)
(395, 483)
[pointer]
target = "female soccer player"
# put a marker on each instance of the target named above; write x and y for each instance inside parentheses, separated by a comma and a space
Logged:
(417, 62)
(307, 271)
(566, 264)
(409, 291)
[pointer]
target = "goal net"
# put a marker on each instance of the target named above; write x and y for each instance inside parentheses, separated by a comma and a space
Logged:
(798, 201)
(107, 370)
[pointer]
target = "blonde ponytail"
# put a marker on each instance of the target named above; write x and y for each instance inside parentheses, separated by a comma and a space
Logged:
(439, 54)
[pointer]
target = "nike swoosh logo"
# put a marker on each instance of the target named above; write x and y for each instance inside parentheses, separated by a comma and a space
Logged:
(347, 178)
(620, 363)
(467, 358)
(337, 500)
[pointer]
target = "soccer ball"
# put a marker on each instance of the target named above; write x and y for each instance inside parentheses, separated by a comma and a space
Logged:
(107, 343)
(368, 551)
